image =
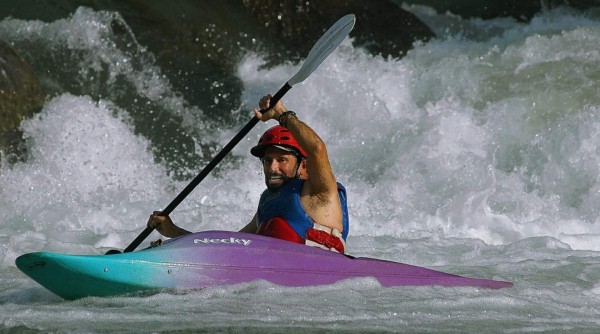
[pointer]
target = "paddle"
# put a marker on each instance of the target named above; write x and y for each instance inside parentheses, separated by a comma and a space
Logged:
(319, 52)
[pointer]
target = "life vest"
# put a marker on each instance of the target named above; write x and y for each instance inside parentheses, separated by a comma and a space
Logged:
(280, 215)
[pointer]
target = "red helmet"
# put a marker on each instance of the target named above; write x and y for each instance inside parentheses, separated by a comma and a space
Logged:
(279, 137)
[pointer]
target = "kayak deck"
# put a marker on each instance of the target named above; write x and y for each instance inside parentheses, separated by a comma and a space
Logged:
(216, 258)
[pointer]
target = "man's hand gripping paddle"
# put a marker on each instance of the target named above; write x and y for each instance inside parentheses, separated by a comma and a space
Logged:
(319, 52)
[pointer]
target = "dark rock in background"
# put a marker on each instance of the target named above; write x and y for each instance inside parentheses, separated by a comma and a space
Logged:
(518, 9)
(381, 27)
(21, 96)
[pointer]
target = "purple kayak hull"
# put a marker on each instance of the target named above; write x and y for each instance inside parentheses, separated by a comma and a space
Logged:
(216, 258)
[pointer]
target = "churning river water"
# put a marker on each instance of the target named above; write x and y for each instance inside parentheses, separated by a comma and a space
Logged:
(478, 153)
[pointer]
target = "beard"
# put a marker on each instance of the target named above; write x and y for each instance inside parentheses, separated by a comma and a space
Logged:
(275, 180)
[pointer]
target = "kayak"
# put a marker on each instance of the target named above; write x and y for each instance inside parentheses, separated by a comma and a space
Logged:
(216, 258)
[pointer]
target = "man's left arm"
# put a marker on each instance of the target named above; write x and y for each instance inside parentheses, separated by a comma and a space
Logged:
(321, 177)
(322, 180)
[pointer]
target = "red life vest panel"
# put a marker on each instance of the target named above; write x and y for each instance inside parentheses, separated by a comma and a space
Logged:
(278, 228)
(319, 236)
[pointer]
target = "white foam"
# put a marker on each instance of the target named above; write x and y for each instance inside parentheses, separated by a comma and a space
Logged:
(88, 175)
(458, 137)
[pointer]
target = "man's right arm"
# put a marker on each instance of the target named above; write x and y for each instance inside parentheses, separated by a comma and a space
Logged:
(164, 225)
(252, 226)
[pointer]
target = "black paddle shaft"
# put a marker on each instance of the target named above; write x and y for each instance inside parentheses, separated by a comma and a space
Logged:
(211, 165)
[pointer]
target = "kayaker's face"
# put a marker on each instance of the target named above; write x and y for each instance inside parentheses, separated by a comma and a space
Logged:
(279, 166)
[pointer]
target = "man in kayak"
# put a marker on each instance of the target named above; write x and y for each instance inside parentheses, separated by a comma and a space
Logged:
(294, 207)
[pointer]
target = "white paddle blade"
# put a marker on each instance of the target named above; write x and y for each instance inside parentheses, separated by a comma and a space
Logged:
(324, 47)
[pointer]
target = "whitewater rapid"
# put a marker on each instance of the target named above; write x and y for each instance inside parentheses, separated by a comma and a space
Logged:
(477, 154)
